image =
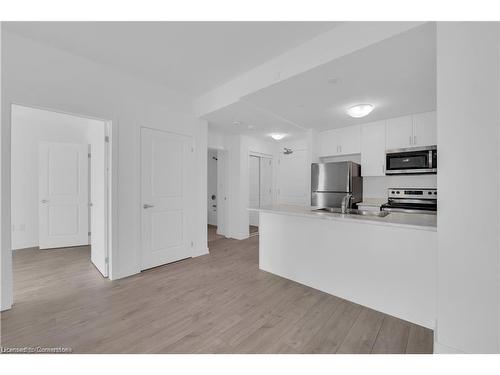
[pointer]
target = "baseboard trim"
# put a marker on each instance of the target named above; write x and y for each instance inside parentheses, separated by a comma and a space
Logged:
(445, 349)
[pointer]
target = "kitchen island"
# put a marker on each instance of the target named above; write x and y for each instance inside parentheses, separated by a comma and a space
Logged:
(385, 263)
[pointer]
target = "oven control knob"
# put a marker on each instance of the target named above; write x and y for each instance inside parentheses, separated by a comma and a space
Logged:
(430, 193)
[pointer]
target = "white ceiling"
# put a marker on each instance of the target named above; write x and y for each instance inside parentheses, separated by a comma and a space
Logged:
(397, 75)
(190, 57)
(246, 118)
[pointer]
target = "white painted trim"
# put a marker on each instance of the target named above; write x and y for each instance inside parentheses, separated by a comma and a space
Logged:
(445, 349)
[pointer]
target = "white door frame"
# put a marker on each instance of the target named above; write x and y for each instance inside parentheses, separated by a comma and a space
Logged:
(6, 220)
(111, 156)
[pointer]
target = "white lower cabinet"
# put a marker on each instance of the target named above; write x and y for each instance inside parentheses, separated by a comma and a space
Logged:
(373, 149)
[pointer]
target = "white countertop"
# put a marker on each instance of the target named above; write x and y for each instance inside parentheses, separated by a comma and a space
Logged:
(396, 219)
(375, 202)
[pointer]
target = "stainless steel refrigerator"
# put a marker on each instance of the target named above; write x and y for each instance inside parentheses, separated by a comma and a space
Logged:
(331, 182)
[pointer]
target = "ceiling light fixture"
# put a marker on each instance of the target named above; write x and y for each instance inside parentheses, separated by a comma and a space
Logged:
(360, 110)
(277, 136)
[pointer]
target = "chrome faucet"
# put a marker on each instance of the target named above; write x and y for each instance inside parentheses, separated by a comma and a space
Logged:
(346, 203)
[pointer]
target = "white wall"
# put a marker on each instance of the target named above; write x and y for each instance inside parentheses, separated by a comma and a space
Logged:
(38, 75)
(294, 170)
(30, 127)
(5, 253)
(468, 84)
(212, 186)
(239, 148)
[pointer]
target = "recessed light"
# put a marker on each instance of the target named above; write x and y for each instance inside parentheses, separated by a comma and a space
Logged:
(360, 110)
(277, 136)
(250, 126)
(236, 123)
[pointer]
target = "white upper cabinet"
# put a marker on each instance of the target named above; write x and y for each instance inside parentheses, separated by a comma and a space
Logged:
(399, 132)
(425, 129)
(350, 140)
(329, 143)
(412, 131)
(343, 141)
(373, 149)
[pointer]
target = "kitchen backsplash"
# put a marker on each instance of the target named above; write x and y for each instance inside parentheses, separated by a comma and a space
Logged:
(376, 187)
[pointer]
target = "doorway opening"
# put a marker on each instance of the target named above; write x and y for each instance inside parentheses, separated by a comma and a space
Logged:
(260, 188)
(61, 195)
(216, 194)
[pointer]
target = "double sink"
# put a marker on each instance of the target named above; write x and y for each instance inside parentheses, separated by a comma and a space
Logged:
(353, 211)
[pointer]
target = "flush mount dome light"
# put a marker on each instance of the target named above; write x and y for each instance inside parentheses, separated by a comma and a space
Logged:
(277, 136)
(360, 110)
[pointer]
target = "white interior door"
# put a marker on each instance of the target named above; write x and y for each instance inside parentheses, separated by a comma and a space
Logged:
(166, 167)
(63, 195)
(98, 197)
(254, 186)
(266, 181)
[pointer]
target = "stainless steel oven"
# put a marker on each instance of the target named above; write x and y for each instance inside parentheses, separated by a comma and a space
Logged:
(411, 200)
(415, 160)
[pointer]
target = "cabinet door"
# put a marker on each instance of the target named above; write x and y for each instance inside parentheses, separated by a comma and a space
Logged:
(399, 132)
(425, 129)
(373, 149)
(350, 140)
(329, 143)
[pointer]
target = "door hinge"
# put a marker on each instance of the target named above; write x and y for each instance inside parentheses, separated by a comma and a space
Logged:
(106, 260)
(90, 204)
(192, 243)
(192, 149)
(106, 139)
(90, 233)
(88, 154)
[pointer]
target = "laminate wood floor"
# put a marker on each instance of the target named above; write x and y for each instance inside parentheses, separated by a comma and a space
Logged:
(217, 303)
(212, 233)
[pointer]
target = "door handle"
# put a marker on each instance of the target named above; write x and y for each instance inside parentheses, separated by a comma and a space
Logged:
(44, 201)
(146, 206)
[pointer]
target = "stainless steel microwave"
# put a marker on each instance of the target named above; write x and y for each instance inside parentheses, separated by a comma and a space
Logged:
(415, 160)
